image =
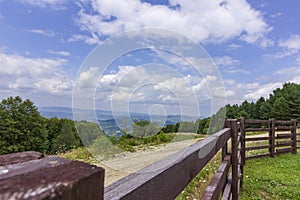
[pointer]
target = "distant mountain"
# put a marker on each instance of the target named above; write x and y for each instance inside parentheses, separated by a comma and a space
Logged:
(109, 122)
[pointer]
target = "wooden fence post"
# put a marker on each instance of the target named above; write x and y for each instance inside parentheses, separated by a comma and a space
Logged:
(234, 158)
(30, 175)
(225, 147)
(272, 137)
(294, 132)
(243, 147)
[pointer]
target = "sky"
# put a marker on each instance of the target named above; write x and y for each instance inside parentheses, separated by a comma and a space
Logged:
(47, 49)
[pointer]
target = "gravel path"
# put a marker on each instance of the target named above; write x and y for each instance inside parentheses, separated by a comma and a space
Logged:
(127, 163)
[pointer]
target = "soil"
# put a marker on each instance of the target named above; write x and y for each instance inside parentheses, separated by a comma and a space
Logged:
(127, 163)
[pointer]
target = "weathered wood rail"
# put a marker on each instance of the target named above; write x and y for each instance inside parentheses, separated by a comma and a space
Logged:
(281, 137)
(167, 178)
(30, 175)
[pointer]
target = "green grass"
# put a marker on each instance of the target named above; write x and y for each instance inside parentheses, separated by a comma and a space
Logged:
(272, 178)
(255, 133)
(81, 154)
(130, 143)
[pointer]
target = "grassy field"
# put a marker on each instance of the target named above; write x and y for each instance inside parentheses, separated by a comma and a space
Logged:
(272, 178)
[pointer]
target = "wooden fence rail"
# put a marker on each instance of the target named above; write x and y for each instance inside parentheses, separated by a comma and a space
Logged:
(281, 137)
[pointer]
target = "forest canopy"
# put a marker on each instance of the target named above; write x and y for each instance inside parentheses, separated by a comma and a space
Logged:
(283, 104)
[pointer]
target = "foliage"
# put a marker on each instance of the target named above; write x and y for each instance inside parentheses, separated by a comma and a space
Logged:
(144, 128)
(187, 127)
(128, 142)
(81, 154)
(103, 148)
(171, 128)
(203, 125)
(88, 132)
(283, 103)
(62, 135)
(22, 128)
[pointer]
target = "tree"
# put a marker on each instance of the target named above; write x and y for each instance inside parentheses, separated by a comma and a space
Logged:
(188, 127)
(144, 128)
(203, 125)
(170, 128)
(283, 103)
(22, 128)
(66, 138)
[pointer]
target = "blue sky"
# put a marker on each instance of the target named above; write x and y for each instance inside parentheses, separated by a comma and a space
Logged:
(255, 45)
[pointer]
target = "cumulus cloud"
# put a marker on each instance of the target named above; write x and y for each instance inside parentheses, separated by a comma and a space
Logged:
(262, 91)
(205, 21)
(20, 73)
(237, 92)
(148, 84)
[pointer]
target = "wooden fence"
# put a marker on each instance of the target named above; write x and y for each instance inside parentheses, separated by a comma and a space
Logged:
(182, 167)
(280, 137)
(164, 179)
(175, 172)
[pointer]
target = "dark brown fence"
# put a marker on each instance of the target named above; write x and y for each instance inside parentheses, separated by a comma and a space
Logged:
(179, 169)
(280, 137)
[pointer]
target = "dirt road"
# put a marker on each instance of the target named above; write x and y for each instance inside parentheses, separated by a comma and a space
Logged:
(127, 163)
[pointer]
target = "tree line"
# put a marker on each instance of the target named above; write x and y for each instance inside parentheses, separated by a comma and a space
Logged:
(283, 103)
(22, 128)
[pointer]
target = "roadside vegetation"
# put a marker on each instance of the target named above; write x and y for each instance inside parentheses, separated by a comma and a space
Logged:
(197, 186)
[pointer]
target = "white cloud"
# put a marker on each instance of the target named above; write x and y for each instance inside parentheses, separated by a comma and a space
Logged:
(210, 21)
(226, 61)
(229, 65)
(86, 39)
(47, 32)
(288, 71)
(60, 53)
(56, 4)
(20, 73)
(148, 84)
(276, 15)
(87, 80)
(229, 93)
(233, 46)
(237, 92)
(262, 91)
(266, 42)
(289, 74)
(291, 44)
(235, 70)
